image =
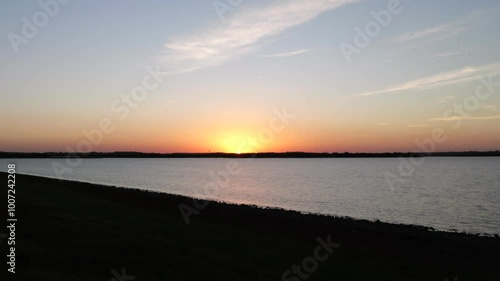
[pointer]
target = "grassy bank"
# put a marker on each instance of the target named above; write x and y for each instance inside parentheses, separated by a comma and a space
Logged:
(77, 231)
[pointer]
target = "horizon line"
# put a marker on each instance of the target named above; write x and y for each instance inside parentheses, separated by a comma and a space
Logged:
(5, 153)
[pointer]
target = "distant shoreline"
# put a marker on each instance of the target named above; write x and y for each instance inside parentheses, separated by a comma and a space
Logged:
(131, 154)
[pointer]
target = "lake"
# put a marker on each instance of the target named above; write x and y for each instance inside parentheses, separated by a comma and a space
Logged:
(447, 193)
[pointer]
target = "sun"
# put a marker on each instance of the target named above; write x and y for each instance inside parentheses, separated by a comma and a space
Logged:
(234, 143)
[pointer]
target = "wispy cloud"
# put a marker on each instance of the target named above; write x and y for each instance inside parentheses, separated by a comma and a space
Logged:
(287, 54)
(449, 28)
(446, 99)
(383, 124)
(489, 107)
(465, 74)
(452, 118)
(419, 126)
(242, 34)
(449, 54)
(436, 32)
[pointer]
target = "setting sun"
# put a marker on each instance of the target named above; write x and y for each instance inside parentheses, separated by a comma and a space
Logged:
(235, 143)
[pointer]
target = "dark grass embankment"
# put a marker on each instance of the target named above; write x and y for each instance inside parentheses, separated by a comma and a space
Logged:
(78, 231)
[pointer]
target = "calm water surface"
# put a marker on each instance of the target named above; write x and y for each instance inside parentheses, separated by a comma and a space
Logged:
(449, 193)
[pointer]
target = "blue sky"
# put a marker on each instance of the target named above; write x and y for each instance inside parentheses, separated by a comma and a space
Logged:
(224, 76)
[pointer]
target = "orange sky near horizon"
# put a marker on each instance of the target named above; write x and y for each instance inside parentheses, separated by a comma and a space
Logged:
(294, 137)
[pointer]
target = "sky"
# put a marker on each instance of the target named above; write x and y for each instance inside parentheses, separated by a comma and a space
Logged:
(250, 76)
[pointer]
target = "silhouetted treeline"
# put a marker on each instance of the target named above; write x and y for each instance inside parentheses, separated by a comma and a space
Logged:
(131, 154)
